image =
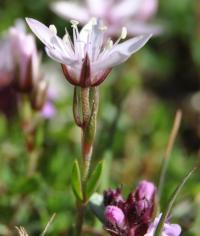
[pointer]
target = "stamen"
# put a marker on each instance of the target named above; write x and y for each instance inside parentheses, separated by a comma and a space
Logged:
(74, 23)
(124, 33)
(66, 38)
(103, 28)
(122, 36)
(109, 44)
(53, 29)
(75, 30)
(94, 21)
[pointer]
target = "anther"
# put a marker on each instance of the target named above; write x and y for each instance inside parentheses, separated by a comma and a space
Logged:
(74, 23)
(53, 29)
(124, 33)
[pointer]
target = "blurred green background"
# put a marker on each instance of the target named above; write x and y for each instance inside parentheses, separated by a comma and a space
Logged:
(138, 103)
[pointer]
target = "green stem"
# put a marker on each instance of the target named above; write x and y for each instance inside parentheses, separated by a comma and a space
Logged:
(88, 126)
(33, 161)
(85, 105)
(79, 218)
(166, 157)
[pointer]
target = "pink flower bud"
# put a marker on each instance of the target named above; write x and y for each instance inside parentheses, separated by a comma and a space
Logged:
(113, 197)
(145, 190)
(114, 215)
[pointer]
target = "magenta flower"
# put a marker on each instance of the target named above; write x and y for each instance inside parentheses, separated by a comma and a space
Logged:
(168, 229)
(145, 190)
(88, 58)
(25, 56)
(137, 210)
(114, 216)
(130, 13)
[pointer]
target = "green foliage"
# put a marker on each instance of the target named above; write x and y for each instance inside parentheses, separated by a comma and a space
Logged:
(76, 181)
(94, 179)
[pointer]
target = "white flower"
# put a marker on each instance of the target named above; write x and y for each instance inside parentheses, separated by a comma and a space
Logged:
(89, 57)
(134, 14)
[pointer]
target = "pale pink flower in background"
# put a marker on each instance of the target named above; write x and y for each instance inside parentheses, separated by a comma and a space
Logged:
(133, 14)
(6, 62)
(25, 55)
(48, 111)
(89, 57)
(168, 229)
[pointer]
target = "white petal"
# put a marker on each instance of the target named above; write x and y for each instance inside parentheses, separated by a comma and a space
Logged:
(85, 31)
(54, 44)
(126, 8)
(138, 28)
(121, 52)
(47, 36)
(70, 10)
(98, 7)
(41, 31)
(59, 57)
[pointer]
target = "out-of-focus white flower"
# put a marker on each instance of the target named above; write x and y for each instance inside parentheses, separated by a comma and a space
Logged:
(168, 229)
(25, 56)
(133, 14)
(89, 57)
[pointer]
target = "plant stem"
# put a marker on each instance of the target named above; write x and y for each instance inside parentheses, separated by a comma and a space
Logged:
(88, 126)
(85, 105)
(165, 215)
(170, 144)
(79, 219)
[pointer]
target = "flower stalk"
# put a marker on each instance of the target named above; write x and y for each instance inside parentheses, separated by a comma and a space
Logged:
(85, 108)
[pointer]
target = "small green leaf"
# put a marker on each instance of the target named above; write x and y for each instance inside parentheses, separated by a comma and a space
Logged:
(94, 179)
(76, 181)
(97, 207)
(166, 212)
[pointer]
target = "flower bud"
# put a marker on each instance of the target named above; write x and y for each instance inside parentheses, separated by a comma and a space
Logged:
(6, 63)
(39, 94)
(113, 197)
(26, 58)
(145, 190)
(145, 200)
(114, 215)
(141, 203)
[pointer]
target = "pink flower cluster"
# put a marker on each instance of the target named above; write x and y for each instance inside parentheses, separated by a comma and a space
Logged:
(134, 216)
